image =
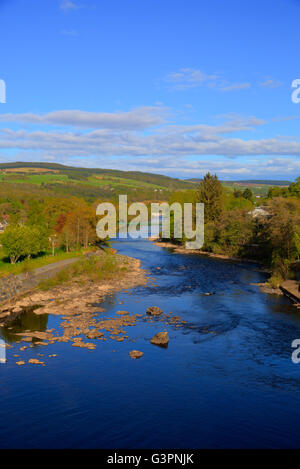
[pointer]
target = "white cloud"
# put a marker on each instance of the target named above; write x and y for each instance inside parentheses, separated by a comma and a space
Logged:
(142, 139)
(235, 87)
(128, 138)
(188, 78)
(71, 32)
(256, 168)
(137, 119)
(271, 83)
(67, 5)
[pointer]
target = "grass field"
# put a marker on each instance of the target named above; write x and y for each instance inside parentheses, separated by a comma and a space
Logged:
(30, 264)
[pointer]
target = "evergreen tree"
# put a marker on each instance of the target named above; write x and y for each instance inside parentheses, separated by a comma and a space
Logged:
(247, 194)
(210, 194)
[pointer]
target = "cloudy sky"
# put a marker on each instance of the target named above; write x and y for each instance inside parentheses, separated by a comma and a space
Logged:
(166, 86)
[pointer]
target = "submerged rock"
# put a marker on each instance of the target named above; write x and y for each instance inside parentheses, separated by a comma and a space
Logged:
(34, 361)
(154, 311)
(161, 339)
(94, 335)
(136, 354)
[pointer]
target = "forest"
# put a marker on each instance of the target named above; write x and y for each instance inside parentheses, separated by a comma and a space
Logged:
(236, 224)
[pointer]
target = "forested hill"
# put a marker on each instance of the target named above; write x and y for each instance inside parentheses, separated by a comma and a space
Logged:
(87, 183)
(78, 173)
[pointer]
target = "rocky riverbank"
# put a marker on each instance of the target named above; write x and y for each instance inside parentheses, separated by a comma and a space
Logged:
(264, 287)
(182, 250)
(79, 305)
(77, 294)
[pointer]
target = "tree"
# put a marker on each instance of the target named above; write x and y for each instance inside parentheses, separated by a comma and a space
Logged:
(79, 227)
(237, 193)
(210, 194)
(231, 234)
(247, 194)
(23, 241)
(281, 230)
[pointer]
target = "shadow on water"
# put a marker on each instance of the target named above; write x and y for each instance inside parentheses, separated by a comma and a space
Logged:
(27, 321)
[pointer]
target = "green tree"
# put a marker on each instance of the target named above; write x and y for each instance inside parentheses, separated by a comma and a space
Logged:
(237, 193)
(23, 241)
(281, 230)
(210, 194)
(247, 194)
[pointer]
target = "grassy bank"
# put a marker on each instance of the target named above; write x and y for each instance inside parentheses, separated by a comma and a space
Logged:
(30, 264)
(95, 269)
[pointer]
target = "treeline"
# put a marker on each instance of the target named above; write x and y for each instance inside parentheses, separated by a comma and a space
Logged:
(37, 225)
(233, 228)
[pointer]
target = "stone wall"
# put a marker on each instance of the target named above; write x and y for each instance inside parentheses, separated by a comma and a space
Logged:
(15, 285)
(11, 286)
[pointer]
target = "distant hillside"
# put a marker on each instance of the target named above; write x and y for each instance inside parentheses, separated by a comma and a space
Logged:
(85, 173)
(97, 183)
(88, 183)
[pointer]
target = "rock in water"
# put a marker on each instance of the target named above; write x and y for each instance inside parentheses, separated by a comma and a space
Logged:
(161, 339)
(94, 334)
(34, 361)
(154, 311)
(136, 354)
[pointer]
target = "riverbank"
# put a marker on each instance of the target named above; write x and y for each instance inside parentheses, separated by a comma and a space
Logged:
(182, 250)
(76, 306)
(76, 289)
(264, 287)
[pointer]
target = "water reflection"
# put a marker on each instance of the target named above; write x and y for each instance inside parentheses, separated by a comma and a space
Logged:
(28, 321)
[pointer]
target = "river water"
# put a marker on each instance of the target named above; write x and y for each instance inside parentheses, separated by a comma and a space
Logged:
(226, 379)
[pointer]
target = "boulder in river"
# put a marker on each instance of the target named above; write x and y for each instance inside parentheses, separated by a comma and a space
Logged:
(154, 311)
(161, 339)
(34, 361)
(136, 354)
(94, 334)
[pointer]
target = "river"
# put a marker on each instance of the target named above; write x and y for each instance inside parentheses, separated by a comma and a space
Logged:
(226, 379)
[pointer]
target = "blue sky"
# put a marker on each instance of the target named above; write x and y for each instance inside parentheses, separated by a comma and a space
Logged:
(172, 87)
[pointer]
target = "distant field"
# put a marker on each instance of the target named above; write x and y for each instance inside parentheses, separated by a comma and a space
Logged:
(105, 181)
(29, 170)
(90, 184)
(93, 183)
(257, 189)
